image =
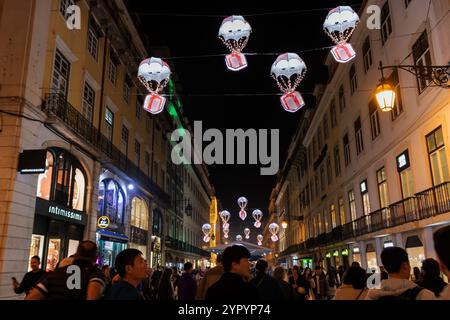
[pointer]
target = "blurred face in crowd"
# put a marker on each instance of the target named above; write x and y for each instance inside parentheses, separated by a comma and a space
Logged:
(242, 268)
(34, 264)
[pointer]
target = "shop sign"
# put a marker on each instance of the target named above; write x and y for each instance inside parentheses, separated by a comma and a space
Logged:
(56, 211)
(356, 250)
(32, 161)
(328, 255)
(344, 252)
(103, 222)
(336, 253)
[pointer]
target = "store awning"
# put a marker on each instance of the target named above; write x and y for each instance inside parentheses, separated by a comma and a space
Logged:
(112, 236)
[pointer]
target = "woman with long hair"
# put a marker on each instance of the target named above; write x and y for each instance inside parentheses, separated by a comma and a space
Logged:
(298, 283)
(165, 288)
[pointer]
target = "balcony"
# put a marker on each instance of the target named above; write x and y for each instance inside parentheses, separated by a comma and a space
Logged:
(57, 105)
(434, 201)
(179, 245)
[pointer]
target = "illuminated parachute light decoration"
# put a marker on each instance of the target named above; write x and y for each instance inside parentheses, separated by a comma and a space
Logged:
(225, 233)
(234, 33)
(225, 216)
(206, 228)
(257, 215)
(273, 229)
(242, 202)
(238, 237)
(154, 74)
(247, 233)
(260, 238)
(339, 26)
(288, 70)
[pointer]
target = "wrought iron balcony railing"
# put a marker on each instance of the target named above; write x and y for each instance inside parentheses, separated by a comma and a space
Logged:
(57, 105)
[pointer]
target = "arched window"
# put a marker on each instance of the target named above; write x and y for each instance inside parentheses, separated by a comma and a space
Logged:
(139, 213)
(63, 181)
(111, 201)
(157, 223)
(44, 185)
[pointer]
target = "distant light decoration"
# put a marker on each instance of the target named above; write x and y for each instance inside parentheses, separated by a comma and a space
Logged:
(234, 33)
(226, 231)
(339, 26)
(206, 228)
(238, 237)
(247, 233)
(242, 202)
(257, 215)
(154, 74)
(273, 229)
(288, 70)
(260, 238)
(225, 216)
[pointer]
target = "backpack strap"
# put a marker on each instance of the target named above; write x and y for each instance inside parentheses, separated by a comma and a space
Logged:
(411, 294)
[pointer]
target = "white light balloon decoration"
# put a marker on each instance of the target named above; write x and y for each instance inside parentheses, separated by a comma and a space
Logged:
(273, 229)
(260, 238)
(339, 26)
(257, 215)
(242, 202)
(154, 74)
(247, 233)
(234, 33)
(238, 237)
(288, 70)
(206, 228)
(225, 216)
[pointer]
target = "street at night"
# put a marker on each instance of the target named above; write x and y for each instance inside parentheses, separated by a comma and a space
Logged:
(225, 158)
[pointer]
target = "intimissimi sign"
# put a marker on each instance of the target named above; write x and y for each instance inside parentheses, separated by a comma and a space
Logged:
(56, 211)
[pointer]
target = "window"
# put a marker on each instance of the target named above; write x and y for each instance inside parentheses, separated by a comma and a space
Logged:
(322, 179)
(337, 161)
(374, 119)
(347, 155)
(92, 44)
(365, 197)
(326, 132)
(139, 111)
(124, 139)
(438, 157)
(63, 5)
(148, 123)
(111, 202)
(406, 179)
(137, 153)
(60, 76)
(127, 84)
(139, 214)
(63, 181)
(367, 54)
(386, 24)
(358, 136)
(326, 224)
(398, 106)
(352, 203)
(422, 59)
(88, 102)
(313, 189)
(147, 163)
(109, 120)
(333, 115)
(315, 152)
(112, 67)
(353, 79)
(333, 216)
(382, 188)
(329, 171)
(319, 139)
(341, 98)
(342, 211)
(44, 184)
(317, 185)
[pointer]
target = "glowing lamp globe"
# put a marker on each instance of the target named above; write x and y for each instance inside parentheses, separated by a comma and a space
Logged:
(284, 224)
(385, 96)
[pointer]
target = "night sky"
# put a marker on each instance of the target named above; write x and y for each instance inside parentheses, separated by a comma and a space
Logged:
(205, 80)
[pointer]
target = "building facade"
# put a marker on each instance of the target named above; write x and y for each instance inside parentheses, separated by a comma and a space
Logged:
(373, 179)
(108, 175)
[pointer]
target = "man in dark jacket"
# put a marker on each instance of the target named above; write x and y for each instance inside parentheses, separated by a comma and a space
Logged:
(268, 288)
(31, 278)
(187, 286)
(322, 287)
(231, 285)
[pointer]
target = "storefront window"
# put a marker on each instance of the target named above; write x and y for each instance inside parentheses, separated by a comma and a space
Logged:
(140, 247)
(45, 179)
(139, 214)
(415, 250)
(78, 190)
(113, 203)
(36, 247)
(371, 256)
(54, 246)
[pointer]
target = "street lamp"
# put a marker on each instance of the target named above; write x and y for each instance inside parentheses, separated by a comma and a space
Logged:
(435, 75)
(187, 206)
(284, 224)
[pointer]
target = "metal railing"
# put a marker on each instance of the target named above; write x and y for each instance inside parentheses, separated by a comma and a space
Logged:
(57, 105)
(183, 246)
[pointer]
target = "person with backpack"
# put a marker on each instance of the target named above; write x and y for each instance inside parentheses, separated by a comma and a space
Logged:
(267, 287)
(92, 279)
(441, 243)
(398, 286)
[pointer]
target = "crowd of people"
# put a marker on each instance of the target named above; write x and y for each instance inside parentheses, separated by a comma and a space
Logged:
(234, 279)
